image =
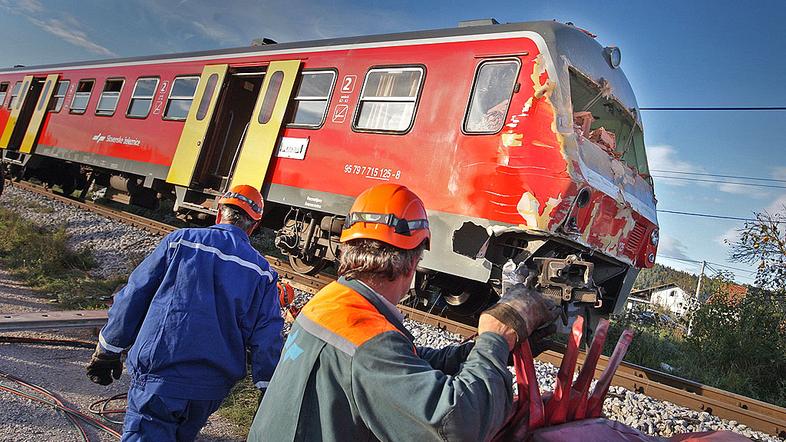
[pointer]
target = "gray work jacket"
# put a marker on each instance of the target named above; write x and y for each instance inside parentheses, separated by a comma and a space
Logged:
(349, 372)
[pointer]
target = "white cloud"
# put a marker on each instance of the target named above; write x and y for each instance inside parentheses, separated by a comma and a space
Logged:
(778, 205)
(65, 26)
(779, 173)
(672, 247)
(215, 32)
(71, 34)
(666, 158)
(22, 6)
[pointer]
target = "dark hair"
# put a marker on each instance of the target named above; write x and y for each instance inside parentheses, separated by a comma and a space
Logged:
(371, 259)
(236, 216)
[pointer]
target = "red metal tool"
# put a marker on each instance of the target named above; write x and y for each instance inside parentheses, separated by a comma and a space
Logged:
(567, 403)
(580, 391)
(557, 407)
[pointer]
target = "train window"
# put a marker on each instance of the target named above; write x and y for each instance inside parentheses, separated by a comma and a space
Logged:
(59, 96)
(271, 94)
(107, 103)
(82, 96)
(14, 94)
(613, 127)
(490, 97)
(180, 98)
(142, 97)
(207, 97)
(387, 101)
(3, 92)
(44, 95)
(311, 99)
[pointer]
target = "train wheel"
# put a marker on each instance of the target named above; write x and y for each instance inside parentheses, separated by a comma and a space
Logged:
(68, 186)
(467, 298)
(310, 266)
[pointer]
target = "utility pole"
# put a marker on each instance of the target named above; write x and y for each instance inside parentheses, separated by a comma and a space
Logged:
(697, 299)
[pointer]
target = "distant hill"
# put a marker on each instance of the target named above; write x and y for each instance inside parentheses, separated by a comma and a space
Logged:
(660, 274)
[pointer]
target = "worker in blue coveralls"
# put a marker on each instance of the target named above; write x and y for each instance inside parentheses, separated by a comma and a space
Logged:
(187, 316)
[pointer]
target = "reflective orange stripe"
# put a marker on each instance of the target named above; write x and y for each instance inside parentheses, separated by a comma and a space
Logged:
(346, 313)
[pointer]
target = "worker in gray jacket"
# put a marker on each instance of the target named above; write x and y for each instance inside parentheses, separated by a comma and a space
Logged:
(349, 370)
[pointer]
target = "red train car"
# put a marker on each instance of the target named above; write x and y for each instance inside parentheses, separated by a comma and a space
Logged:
(523, 140)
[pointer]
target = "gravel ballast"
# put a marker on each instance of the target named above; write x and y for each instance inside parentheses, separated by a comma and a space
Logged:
(118, 247)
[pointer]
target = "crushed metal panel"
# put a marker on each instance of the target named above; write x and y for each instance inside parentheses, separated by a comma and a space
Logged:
(470, 239)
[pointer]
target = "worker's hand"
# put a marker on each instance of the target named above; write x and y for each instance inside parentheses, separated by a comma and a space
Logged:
(103, 366)
(488, 323)
(524, 310)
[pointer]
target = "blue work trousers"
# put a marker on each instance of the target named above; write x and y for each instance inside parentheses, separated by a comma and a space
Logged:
(153, 417)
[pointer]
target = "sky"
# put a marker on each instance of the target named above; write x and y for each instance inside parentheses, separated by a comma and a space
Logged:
(675, 53)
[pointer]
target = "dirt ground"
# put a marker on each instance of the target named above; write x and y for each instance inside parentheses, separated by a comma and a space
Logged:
(61, 370)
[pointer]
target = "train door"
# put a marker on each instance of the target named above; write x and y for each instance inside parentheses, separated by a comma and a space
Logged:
(21, 113)
(259, 144)
(197, 124)
(37, 118)
(237, 134)
(229, 127)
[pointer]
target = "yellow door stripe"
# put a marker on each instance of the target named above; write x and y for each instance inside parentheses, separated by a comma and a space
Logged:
(263, 131)
(41, 108)
(197, 123)
(11, 123)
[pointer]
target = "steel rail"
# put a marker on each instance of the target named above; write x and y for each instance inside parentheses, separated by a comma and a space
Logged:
(755, 414)
(135, 220)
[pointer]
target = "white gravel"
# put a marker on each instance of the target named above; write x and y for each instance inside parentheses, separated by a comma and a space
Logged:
(648, 415)
(118, 248)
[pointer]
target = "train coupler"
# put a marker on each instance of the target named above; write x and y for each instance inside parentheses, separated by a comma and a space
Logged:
(568, 280)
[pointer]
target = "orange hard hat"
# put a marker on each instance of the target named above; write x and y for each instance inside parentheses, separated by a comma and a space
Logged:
(390, 213)
(247, 198)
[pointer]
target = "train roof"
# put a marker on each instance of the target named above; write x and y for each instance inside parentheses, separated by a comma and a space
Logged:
(568, 45)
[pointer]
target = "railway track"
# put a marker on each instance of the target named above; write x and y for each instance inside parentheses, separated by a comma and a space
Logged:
(755, 414)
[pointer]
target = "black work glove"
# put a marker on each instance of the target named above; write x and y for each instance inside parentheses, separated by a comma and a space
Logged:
(524, 310)
(103, 366)
(539, 342)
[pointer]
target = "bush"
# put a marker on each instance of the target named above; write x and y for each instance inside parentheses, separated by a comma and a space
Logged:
(652, 344)
(739, 346)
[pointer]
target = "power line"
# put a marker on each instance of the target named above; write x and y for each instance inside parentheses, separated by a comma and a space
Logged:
(693, 261)
(772, 186)
(705, 215)
(709, 215)
(714, 108)
(719, 176)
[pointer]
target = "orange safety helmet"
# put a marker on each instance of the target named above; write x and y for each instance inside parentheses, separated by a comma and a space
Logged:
(247, 198)
(390, 213)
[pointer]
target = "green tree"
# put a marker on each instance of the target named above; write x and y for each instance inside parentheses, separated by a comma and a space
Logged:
(763, 242)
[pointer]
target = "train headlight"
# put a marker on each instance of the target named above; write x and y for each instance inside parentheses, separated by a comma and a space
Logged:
(613, 56)
(654, 237)
(651, 258)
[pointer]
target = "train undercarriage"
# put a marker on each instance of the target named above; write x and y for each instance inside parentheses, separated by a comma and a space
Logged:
(578, 278)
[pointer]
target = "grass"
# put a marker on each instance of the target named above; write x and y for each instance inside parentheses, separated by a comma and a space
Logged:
(41, 258)
(241, 405)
